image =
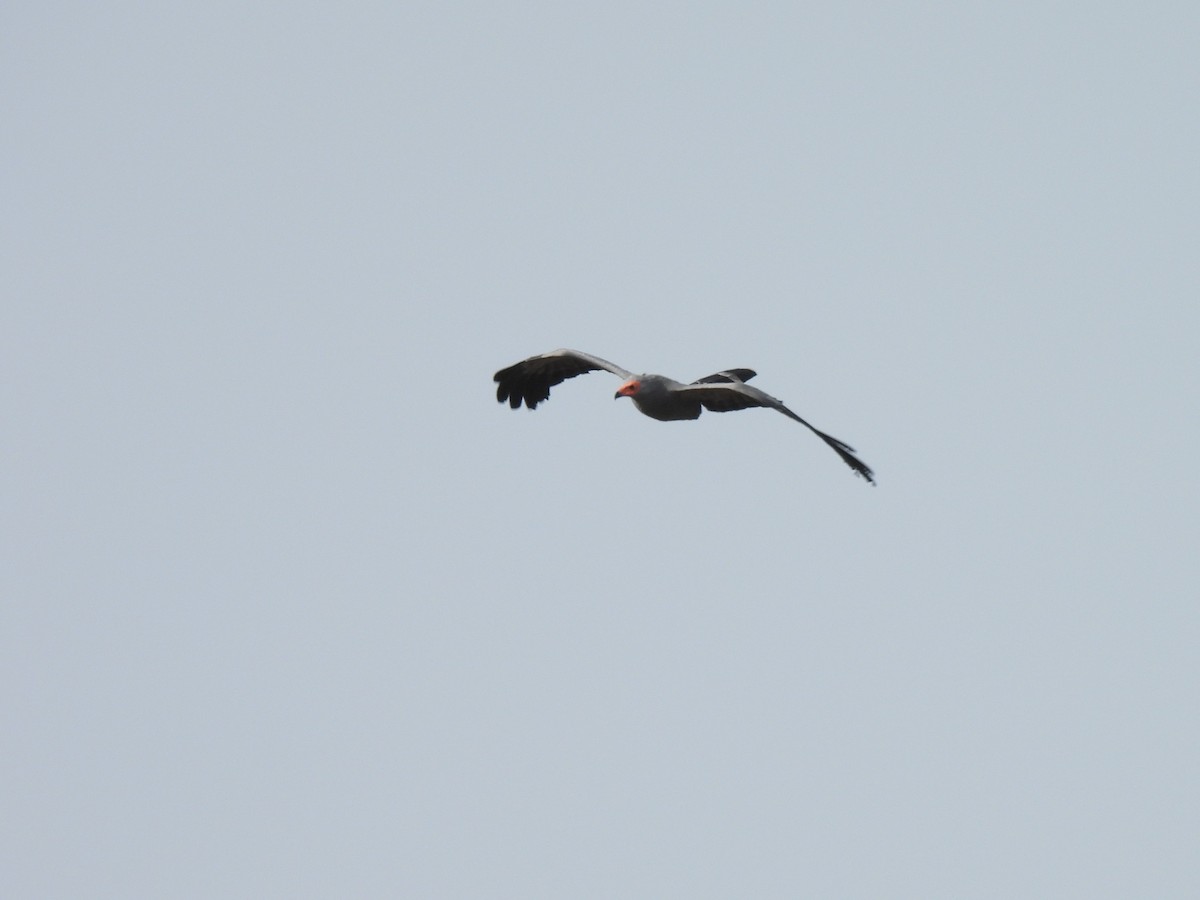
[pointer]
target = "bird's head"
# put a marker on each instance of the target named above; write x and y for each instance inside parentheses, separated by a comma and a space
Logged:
(628, 389)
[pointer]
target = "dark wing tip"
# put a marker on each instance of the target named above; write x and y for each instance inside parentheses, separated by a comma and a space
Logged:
(521, 384)
(846, 452)
(530, 380)
(727, 376)
(860, 468)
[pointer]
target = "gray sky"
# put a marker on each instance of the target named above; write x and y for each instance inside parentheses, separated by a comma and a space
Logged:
(292, 608)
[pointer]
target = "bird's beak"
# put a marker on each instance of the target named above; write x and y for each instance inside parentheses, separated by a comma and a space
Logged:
(625, 390)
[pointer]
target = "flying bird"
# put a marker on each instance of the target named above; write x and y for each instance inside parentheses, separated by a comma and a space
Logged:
(656, 396)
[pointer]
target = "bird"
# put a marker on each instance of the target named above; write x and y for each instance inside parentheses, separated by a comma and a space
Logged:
(656, 396)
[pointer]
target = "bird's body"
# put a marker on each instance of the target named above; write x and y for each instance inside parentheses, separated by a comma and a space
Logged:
(656, 396)
(662, 398)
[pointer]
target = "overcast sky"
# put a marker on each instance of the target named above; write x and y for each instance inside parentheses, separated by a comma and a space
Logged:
(291, 607)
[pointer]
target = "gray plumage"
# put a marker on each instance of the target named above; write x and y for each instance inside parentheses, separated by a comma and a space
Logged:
(657, 396)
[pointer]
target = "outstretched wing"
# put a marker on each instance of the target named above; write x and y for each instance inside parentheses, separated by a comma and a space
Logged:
(726, 376)
(531, 379)
(734, 395)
